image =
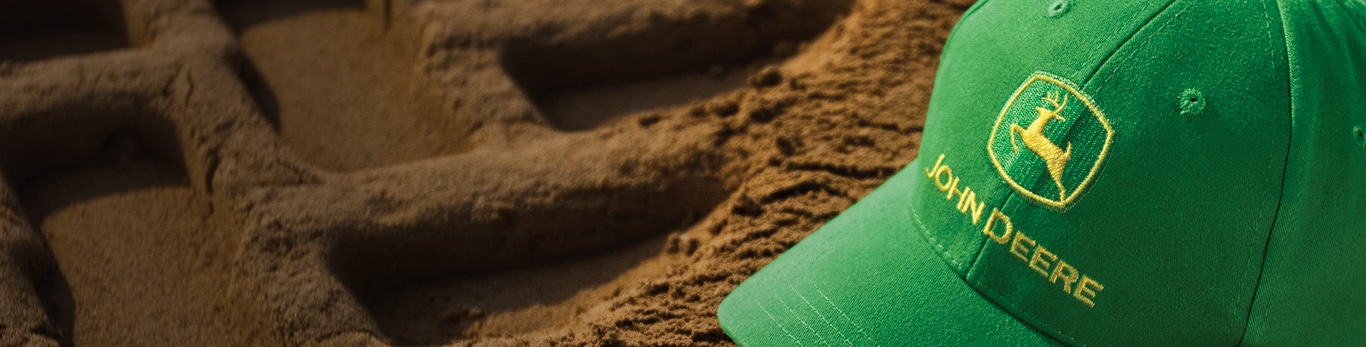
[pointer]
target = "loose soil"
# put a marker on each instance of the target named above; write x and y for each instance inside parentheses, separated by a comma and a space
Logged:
(446, 172)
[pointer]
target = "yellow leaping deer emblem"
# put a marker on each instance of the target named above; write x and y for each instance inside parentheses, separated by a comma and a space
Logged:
(1034, 139)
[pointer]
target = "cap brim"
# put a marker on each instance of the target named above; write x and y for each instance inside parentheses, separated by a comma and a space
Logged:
(868, 278)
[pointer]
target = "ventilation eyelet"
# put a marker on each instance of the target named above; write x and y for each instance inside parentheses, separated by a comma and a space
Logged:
(1360, 135)
(1058, 8)
(1191, 103)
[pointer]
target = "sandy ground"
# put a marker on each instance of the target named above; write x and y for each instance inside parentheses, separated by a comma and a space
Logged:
(455, 172)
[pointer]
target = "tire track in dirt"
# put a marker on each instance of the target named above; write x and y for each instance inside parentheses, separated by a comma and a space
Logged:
(189, 190)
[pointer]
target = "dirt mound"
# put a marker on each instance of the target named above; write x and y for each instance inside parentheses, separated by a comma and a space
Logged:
(454, 172)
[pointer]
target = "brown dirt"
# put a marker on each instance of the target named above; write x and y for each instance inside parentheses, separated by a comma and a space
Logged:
(445, 172)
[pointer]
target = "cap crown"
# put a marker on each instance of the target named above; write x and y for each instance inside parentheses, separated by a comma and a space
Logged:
(1192, 147)
(1156, 172)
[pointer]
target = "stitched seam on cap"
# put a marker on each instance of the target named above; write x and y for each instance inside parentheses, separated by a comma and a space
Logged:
(933, 241)
(964, 17)
(974, 8)
(1285, 173)
(1038, 323)
(999, 300)
(1356, 19)
(1256, 284)
(938, 246)
(1140, 46)
(986, 289)
(1126, 39)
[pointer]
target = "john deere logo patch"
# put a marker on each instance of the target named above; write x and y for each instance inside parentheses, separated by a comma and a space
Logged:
(1049, 141)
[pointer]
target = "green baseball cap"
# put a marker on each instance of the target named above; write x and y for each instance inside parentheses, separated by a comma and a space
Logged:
(1155, 172)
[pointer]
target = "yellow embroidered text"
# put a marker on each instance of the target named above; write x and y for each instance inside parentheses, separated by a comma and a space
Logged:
(946, 182)
(999, 229)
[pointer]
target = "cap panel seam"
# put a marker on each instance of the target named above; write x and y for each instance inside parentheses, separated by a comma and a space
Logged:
(964, 17)
(958, 263)
(1131, 35)
(1253, 283)
(1354, 16)
(983, 289)
(999, 300)
(974, 8)
(1248, 328)
(1065, 202)
(1125, 60)
(1038, 323)
(1012, 195)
